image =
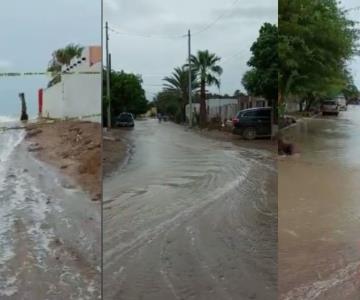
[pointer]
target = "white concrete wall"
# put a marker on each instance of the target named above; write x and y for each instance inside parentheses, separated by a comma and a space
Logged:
(77, 95)
(82, 95)
(53, 102)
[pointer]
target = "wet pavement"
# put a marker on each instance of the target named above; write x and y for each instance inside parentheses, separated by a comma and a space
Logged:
(190, 218)
(49, 230)
(319, 210)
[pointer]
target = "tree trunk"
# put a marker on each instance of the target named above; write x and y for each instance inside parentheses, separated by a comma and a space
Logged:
(203, 116)
(301, 105)
(309, 103)
(183, 112)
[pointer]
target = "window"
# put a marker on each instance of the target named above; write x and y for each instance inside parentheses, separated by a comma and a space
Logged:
(264, 113)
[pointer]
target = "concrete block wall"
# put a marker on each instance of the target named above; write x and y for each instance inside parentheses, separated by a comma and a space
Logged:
(77, 95)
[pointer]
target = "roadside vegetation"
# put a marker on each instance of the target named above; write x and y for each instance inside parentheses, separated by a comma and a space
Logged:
(261, 80)
(316, 42)
(126, 94)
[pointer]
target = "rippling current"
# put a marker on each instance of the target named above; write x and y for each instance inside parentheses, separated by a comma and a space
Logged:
(319, 211)
(189, 218)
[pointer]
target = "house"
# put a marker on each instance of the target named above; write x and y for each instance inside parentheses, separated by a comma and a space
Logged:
(226, 108)
(78, 94)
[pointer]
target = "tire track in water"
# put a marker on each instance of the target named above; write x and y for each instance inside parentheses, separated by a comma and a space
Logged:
(317, 290)
(189, 179)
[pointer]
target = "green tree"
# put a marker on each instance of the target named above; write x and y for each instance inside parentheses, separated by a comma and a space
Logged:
(350, 91)
(238, 94)
(262, 78)
(167, 102)
(61, 57)
(208, 71)
(126, 93)
(178, 83)
(316, 39)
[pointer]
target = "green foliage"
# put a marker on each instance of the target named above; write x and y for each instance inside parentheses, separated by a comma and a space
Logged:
(351, 92)
(262, 78)
(61, 57)
(238, 94)
(126, 93)
(207, 70)
(167, 102)
(178, 83)
(316, 39)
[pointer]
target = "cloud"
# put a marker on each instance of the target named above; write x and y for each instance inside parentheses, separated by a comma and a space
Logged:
(5, 64)
(230, 35)
(111, 5)
(249, 12)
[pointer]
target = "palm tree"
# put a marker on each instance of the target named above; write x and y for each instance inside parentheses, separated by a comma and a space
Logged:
(208, 72)
(178, 83)
(62, 57)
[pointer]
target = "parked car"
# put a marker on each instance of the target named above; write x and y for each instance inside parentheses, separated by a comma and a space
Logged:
(125, 120)
(330, 107)
(253, 122)
(342, 104)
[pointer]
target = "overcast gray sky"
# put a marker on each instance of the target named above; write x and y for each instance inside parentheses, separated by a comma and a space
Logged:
(30, 32)
(155, 57)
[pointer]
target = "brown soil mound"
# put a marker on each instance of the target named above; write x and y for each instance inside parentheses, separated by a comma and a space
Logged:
(114, 150)
(74, 147)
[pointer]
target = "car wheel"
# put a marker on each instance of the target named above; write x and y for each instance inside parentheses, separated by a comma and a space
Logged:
(249, 133)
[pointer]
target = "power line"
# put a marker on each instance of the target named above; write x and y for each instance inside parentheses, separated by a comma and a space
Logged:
(167, 37)
(225, 14)
(231, 57)
(177, 36)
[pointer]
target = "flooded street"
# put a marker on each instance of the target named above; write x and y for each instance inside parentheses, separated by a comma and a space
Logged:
(319, 210)
(190, 218)
(49, 230)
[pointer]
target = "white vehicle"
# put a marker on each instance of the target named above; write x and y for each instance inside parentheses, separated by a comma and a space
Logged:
(330, 107)
(342, 104)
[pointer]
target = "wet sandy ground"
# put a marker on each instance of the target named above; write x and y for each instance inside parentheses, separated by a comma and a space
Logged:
(49, 231)
(319, 211)
(190, 218)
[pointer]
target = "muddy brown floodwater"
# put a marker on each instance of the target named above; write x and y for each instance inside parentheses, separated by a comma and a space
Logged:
(190, 218)
(319, 210)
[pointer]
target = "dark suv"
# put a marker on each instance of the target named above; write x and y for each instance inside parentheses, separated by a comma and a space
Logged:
(253, 122)
(125, 120)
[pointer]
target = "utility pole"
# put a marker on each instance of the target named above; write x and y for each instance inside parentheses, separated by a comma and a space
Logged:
(219, 110)
(108, 78)
(190, 81)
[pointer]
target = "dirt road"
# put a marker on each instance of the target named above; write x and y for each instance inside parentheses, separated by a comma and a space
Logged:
(190, 218)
